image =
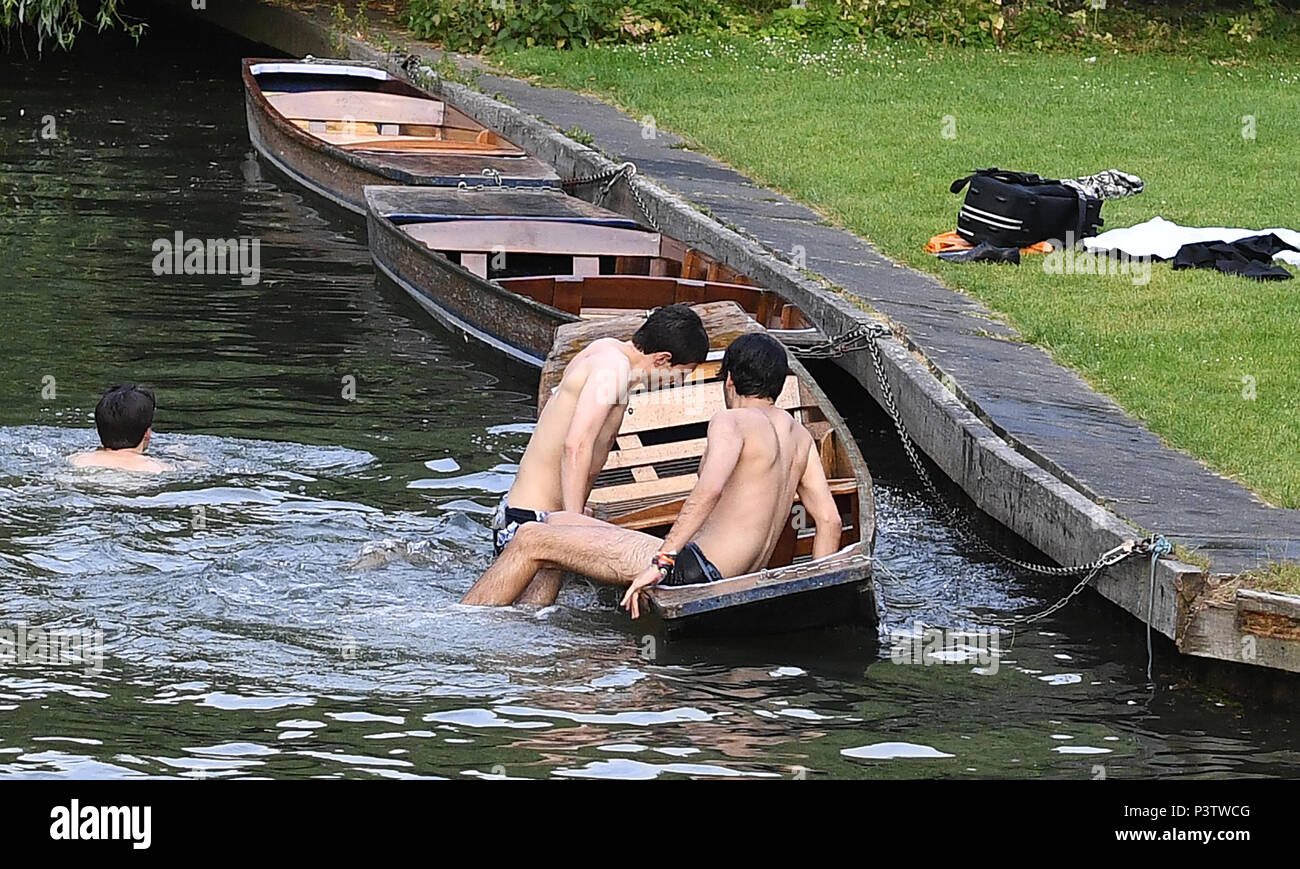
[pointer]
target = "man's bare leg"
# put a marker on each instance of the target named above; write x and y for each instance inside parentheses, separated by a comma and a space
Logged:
(545, 587)
(603, 552)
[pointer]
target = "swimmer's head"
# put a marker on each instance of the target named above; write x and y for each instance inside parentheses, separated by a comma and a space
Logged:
(124, 417)
(754, 366)
(674, 338)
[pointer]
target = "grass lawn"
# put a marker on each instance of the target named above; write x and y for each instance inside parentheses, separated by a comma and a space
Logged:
(1207, 361)
(1283, 577)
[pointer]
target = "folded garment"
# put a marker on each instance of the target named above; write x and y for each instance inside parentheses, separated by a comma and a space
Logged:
(952, 241)
(983, 253)
(1111, 184)
(1162, 239)
(1250, 257)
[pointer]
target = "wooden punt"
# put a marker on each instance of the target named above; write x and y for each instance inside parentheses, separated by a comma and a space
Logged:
(647, 477)
(335, 126)
(508, 267)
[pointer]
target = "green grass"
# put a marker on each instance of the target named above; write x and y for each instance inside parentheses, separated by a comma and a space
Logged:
(1281, 577)
(855, 132)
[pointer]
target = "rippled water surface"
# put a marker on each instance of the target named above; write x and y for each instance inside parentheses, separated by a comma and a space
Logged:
(284, 602)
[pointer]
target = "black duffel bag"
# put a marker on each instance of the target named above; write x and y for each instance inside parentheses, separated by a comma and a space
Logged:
(1019, 209)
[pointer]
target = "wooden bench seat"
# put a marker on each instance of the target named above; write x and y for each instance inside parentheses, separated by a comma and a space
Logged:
(362, 106)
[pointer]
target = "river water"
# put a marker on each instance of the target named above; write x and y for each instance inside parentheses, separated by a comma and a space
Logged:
(283, 604)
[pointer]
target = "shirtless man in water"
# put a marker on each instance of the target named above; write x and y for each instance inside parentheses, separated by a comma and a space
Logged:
(757, 458)
(580, 421)
(124, 420)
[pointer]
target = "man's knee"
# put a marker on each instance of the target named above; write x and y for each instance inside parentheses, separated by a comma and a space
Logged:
(528, 536)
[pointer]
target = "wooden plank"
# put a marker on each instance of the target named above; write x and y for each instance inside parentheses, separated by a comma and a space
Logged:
(672, 251)
(367, 106)
(416, 145)
(521, 235)
(628, 442)
(693, 403)
(644, 474)
(585, 266)
(566, 294)
(475, 263)
(689, 292)
(1267, 614)
(632, 456)
(840, 568)
(662, 488)
(631, 505)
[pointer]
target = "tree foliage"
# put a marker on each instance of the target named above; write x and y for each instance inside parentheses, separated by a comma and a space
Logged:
(59, 21)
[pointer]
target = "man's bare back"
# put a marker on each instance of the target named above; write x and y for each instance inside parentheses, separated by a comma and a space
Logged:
(122, 460)
(741, 532)
(601, 371)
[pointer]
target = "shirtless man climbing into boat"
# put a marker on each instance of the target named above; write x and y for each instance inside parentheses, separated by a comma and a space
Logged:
(124, 420)
(756, 459)
(580, 421)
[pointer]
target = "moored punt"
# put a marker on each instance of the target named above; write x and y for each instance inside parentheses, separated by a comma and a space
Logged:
(647, 477)
(510, 266)
(335, 126)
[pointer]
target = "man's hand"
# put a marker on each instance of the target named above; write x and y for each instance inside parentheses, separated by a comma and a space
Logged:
(632, 599)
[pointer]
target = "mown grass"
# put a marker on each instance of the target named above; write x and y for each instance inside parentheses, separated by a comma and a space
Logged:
(1207, 361)
(1281, 577)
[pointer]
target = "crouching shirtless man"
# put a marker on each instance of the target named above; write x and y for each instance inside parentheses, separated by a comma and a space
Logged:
(580, 421)
(756, 459)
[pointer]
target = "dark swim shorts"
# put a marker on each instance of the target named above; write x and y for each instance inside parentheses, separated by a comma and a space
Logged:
(691, 568)
(506, 521)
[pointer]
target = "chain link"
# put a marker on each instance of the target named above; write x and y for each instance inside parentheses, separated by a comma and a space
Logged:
(610, 177)
(960, 522)
(866, 336)
(858, 338)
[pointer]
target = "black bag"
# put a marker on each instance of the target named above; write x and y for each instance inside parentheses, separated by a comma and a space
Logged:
(1019, 209)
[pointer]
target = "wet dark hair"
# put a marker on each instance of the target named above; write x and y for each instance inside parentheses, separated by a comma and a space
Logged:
(757, 364)
(123, 415)
(676, 329)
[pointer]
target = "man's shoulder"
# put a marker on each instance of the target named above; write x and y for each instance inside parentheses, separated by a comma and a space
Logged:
(605, 364)
(97, 459)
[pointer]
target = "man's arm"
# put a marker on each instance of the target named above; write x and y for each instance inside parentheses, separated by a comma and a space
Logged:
(599, 394)
(819, 503)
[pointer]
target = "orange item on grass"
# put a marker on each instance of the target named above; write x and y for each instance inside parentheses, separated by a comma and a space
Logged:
(952, 241)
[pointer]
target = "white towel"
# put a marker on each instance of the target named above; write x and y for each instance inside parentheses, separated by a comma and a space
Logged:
(1162, 238)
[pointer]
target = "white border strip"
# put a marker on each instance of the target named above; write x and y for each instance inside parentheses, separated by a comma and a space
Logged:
(320, 69)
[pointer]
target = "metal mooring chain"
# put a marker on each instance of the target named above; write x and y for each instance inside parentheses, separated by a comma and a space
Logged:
(865, 337)
(858, 338)
(610, 177)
